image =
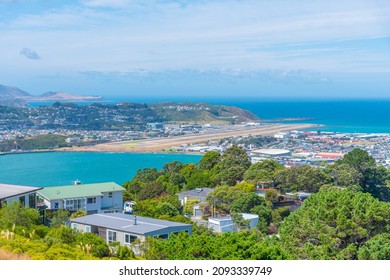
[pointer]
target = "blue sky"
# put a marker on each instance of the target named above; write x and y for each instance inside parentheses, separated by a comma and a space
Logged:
(273, 49)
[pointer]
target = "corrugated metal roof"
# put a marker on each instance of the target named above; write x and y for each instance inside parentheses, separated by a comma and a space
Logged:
(7, 190)
(201, 192)
(125, 223)
(83, 190)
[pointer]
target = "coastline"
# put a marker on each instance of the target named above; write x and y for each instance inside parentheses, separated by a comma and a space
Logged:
(164, 145)
(158, 145)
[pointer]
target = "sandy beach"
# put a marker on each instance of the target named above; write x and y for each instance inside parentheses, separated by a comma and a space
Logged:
(159, 144)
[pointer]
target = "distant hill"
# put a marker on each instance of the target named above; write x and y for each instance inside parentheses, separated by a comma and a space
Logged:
(12, 96)
(188, 112)
(121, 115)
(15, 97)
(63, 96)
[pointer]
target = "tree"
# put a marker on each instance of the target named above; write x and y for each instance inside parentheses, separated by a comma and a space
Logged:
(246, 202)
(271, 195)
(372, 178)
(359, 159)
(223, 196)
(16, 214)
(143, 176)
(344, 175)
(264, 212)
(244, 245)
(232, 165)
(333, 224)
(99, 246)
(377, 248)
(165, 208)
(302, 178)
(173, 200)
(245, 186)
(78, 214)
(239, 223)
(199, 179)
(124, 253)
(151, 190)
(60, 218)
(173, 167)
(136, 185)
(263, 171)
(229, 175)
(209, 160)
(279, 214)
(61, 234)
(189, 206)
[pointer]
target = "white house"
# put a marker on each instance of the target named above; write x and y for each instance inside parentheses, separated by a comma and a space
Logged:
(226, 224)
(92, 198)
(26, 195)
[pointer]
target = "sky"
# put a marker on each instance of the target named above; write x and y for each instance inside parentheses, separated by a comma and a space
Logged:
(213, 48)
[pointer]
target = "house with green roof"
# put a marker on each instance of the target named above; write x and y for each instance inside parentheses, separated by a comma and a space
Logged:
(92, 198)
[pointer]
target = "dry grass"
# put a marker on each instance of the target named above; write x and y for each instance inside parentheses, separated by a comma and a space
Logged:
(6, 255)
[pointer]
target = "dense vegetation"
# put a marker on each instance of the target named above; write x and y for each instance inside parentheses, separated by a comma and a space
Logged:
(346, 217)
(49, 141)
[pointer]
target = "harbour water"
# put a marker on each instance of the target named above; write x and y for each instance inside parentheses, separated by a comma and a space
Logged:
(61, 168)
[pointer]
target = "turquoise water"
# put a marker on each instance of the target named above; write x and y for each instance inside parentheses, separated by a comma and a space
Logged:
(61, 168)
(366, 116)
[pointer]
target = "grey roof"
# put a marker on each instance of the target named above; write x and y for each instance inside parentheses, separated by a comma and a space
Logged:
(125, 223)
(7, 190)
(199, 192)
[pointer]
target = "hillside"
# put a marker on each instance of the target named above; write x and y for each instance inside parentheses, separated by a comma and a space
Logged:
(15, 97)
(12, 96)
(201, 113)
(63, 96)
(121, 116)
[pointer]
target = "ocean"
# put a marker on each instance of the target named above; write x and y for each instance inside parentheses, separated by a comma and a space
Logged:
(349, 115)
(62, 168)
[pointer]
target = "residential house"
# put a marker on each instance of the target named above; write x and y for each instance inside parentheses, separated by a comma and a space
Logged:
(226, 224)
(196, 194)
(26, 195)
(92, 198)
(125, 228)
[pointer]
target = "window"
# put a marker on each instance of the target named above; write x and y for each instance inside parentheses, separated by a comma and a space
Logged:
(91, 200)
(110, 195)
(22, 200)
(32, 200)
(162, 236)
(87, 229)
(56, 205)
(74, 204)
(111, 236)
(130, 238)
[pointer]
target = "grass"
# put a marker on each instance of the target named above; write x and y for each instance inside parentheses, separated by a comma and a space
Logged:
(130, 144)
(6, 255)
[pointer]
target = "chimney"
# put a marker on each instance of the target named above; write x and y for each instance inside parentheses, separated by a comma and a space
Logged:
(135, 220)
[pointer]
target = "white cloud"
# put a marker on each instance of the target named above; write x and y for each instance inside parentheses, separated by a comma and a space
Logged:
(248, 34)
(106, 3)
(29, 53)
